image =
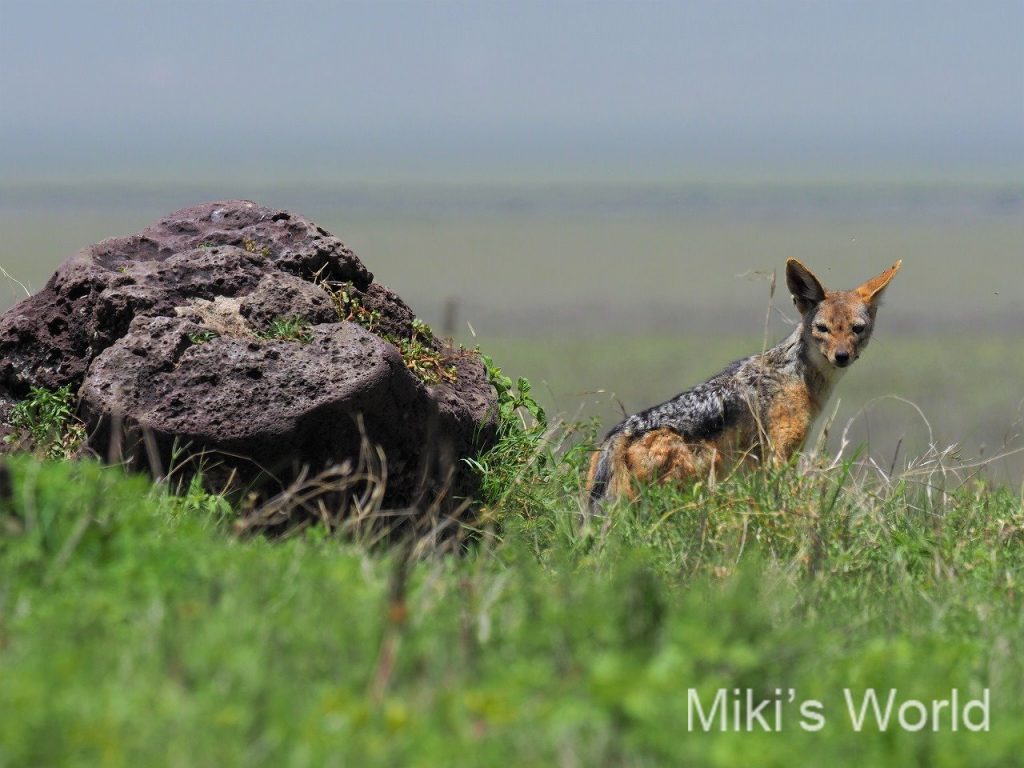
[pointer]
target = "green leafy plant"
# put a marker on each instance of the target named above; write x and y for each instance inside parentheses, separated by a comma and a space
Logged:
(46, 422)
(511, 469)
(350, 307)
(202, 337)
(514, 400)
(421, 357)
(293, 328)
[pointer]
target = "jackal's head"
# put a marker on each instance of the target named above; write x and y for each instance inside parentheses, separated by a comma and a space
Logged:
(837, 325)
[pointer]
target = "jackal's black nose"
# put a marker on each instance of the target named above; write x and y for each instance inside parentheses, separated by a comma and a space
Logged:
(842, 359)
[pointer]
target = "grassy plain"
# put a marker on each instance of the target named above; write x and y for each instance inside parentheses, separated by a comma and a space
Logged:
(557, 259)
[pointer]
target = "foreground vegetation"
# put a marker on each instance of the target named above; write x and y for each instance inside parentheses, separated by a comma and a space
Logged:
(137, 628)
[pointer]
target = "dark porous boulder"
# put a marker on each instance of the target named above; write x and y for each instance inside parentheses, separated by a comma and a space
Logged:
(254, 339)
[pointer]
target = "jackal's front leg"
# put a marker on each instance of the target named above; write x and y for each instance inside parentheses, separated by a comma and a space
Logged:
(789, 420)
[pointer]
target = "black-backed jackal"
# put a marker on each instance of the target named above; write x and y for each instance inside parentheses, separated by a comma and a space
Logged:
(759, 408)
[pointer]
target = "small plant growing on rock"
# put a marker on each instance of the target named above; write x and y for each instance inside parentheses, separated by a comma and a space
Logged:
(349, 308)
(45, 422)
(289, 329)
(421, 357)
(202, 337)
(253, 247)
(418, 350)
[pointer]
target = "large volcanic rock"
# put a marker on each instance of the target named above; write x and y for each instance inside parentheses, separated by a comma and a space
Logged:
(167, 334)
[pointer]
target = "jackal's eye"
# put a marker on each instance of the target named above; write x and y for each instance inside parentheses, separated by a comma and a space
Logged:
(821, 328)
(858, 327)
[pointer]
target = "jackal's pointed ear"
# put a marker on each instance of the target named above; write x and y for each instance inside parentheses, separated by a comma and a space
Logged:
(871, 291)
(804, 286)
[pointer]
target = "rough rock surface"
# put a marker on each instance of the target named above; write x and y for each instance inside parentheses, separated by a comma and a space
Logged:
(165, 333)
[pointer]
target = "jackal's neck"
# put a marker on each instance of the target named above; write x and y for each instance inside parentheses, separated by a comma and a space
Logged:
(797, 358)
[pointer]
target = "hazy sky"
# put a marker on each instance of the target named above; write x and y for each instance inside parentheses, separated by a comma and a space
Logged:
(698, 87)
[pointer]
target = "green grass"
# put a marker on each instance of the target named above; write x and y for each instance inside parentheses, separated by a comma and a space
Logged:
(137, 629)
(45, 423)
(289, 329)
